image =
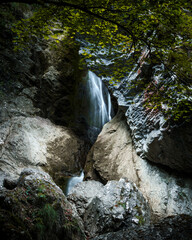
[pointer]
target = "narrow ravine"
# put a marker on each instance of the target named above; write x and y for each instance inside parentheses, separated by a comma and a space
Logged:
(98, 111)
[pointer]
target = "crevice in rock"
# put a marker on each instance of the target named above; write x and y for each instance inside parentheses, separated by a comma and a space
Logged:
(136, 170)
(6, 139)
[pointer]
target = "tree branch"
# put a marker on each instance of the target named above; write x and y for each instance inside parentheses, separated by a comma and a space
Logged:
(74, 6)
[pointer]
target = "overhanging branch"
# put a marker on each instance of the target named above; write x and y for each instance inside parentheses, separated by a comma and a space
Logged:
(84, 9)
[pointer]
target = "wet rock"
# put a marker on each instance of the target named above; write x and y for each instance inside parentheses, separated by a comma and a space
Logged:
(116, 205)
(172, 228)
(36, 209)
(113, 156)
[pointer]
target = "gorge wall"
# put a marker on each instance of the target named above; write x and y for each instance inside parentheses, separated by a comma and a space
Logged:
(141, 145)
(141, 164)
(113, 156)
(36, 85)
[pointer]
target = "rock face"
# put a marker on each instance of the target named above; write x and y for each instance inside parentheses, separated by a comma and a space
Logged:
(39, 81)
(114, 206)
(27, 141)
(113, 156)
(157, 140)
(169, 228)
(37, 209)
(37, 84)
(108, 154)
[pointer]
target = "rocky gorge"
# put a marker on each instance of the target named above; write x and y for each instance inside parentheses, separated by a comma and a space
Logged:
(137, 166)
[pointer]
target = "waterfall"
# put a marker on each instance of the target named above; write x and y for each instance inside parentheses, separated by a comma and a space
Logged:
(99, 105)
(100, 101)
(95, 109)
(73, 181)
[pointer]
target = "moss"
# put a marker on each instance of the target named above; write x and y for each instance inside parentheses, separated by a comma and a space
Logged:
(72, 229)
(45, 222)
(39, 211)
(141, 220)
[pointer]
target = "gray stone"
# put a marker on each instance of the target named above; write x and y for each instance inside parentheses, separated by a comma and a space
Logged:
(156, 140)
(116, 205)
(82, 195)
(113, 156)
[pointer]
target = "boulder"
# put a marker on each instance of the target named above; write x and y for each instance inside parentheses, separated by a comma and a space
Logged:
(104, 208)
(37, 209)
(34, 141)
(113, 156)
(107, 156)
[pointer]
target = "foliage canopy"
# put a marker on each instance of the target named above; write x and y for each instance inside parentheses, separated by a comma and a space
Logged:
(119, 30)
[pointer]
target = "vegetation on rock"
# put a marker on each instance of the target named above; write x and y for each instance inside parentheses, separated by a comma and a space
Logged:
(127, 34)
(37, 209)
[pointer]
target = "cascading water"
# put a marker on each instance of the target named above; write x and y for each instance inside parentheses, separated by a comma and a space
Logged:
(95, 109)
(99, 105)
(73, 181)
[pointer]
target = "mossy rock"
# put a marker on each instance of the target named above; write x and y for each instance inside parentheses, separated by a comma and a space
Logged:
(37, 209)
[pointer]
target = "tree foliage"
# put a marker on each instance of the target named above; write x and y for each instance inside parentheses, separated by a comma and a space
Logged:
(119, 30)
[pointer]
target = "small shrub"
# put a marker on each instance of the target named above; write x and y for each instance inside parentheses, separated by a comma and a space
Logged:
(45, 221)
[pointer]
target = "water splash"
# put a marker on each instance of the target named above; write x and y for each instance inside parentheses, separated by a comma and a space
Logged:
(73, 181)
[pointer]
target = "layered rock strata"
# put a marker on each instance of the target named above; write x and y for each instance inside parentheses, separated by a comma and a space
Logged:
(155, 138)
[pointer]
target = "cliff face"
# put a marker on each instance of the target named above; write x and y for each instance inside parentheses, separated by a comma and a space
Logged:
(37, 84)
(36, 90)
(155, 138)
(140, 144)
(37, 107)
(38, 81)
(114, 156)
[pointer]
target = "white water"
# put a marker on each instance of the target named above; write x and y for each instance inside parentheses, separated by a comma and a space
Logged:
(99, 99)
(73, 181)
(99, 110)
